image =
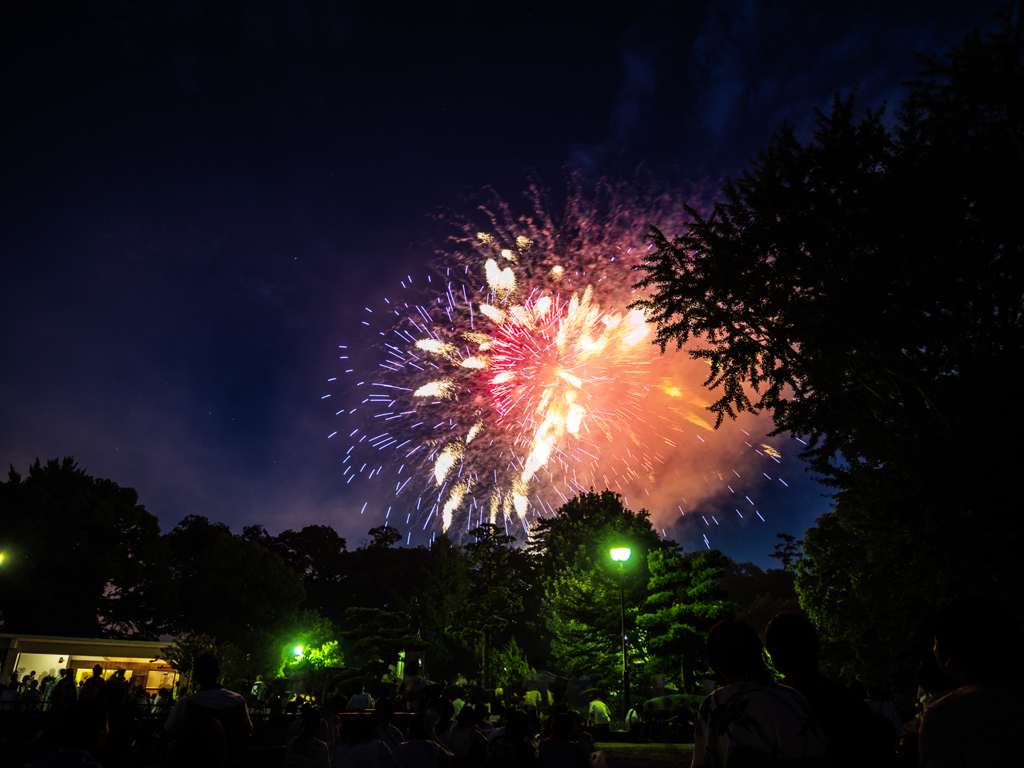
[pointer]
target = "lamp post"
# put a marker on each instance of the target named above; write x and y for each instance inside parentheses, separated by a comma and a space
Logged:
(621, 555)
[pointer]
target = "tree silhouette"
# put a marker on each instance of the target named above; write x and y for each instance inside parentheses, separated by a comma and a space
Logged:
(81, 556)
(866, 288)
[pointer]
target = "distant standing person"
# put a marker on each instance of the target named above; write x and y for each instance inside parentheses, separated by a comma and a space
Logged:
(599, 718)
(91, 687)
(65, 691)
(360, 702)
(259, 688)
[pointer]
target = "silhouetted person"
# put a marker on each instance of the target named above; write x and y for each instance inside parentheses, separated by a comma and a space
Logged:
(383, 711)
(79, 730)
(32, 697)
(751, 720)
(419, 750)
(560, 749)
(163, 702)
(307, 750)
(202, 745)
(65, 691)
(466, 743)
(483, 717)
(880, 701)
(443, 725)
(211, 701)
(91, 687)
(361, 750)
(512, 748)
(856, 735)
(10, 697)
(123, 722)
(978, 723)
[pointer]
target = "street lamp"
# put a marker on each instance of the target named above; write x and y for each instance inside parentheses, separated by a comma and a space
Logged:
(620, 555)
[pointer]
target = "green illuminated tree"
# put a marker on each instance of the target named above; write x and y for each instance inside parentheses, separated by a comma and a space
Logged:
(686, 599)
(375, 638)
(582, 599)
(317, 664)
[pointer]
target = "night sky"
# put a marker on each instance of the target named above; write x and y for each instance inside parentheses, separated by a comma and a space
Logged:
(200, 197)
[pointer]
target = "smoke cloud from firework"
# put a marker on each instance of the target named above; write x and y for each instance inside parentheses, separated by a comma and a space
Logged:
(513, 375)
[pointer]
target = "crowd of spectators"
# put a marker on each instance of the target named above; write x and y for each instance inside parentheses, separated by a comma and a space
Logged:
(968, 707)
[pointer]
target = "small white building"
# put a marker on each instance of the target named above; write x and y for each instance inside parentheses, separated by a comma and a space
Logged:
(48, 655)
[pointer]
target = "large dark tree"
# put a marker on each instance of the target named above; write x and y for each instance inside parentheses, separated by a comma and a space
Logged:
(317, 554)
(496, 592)
(229, 587)
(81, 556)
(867, 289)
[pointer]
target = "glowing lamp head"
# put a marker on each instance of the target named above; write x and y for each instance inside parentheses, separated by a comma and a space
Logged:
(620, 554)
(298, 651)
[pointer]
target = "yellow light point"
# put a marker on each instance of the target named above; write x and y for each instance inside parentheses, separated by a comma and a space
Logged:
(508, 254)
(442, 388)
(542, 307)
(672, 391)
(492, 313)
(474, 431)
(568, 377)
(771, 451)
(557, 272)
(474, 362)
(483, 237)
(446, 460)
(495, 501)
(454, 500)
(502, 281)
(523, 242)
(435, 347)
(503, 377)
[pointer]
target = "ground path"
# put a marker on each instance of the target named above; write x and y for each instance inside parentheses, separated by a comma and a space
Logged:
(618, 755)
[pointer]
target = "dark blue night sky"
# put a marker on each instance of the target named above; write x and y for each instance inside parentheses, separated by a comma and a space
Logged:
(198, 199)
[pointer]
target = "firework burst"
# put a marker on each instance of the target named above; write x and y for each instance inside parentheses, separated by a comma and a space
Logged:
(518, 377)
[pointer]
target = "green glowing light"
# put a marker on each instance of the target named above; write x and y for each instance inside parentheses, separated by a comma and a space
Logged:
(620, 554)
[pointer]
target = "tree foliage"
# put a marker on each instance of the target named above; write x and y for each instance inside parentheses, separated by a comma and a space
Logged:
(582, 597)
(230, 587)
(685, 600)
(495, 592)
(81, 556)
(866, 287)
